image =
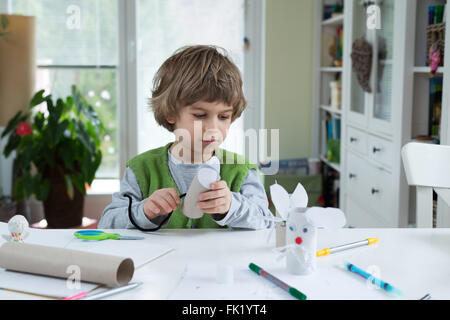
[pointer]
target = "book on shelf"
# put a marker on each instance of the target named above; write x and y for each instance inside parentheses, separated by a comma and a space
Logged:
(332, 132)
(332, 10)
(435, 107)
(436, 14)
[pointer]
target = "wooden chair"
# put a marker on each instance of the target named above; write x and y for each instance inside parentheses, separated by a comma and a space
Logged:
(427, 166)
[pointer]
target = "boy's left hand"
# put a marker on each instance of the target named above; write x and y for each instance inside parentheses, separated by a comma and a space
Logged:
(216, 200)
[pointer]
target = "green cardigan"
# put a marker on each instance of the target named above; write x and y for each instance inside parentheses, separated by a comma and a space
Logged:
(152, 172)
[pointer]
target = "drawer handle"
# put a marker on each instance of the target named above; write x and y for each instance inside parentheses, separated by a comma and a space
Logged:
(375, 191)
(375, 149)
(351, 175)
(352, 139)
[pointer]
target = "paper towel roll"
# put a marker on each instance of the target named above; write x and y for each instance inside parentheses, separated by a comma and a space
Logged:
(200, 183)
(96, 268)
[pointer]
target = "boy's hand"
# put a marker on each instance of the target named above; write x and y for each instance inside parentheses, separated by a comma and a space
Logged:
(216, 200)
(161, 202)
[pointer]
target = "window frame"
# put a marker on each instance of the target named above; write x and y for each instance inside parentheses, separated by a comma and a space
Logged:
(127, 75)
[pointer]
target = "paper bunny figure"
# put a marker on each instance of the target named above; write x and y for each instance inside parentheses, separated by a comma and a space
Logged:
(282, 203)
(301, 227)
(18, 228)
(301, 236)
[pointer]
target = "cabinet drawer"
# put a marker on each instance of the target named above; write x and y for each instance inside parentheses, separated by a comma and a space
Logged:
(381, 195)
(371, 187)
(357, 175)
(380, 150)
(359, 216)
(356, 140)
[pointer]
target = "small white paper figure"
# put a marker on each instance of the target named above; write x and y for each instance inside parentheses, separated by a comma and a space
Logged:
(301, 227)
(18, 228)
(283, 202)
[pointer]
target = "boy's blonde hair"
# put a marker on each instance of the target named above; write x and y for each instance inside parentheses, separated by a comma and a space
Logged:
(195, 73)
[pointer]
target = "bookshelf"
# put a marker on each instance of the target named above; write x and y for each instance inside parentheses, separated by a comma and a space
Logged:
(375, 125)
(327, 111)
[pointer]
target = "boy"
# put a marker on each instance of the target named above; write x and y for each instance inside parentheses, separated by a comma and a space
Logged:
(197, 94)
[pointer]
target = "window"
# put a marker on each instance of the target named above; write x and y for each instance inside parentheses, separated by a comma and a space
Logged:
(165, 26)
(91, 43)
(77, 43)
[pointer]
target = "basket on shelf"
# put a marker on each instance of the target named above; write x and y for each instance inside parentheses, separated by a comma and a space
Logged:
(436, 33)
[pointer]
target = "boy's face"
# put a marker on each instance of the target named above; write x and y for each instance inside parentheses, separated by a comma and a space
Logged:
(205, 123)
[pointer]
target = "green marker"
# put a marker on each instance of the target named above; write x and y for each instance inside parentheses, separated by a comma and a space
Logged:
(294, 292)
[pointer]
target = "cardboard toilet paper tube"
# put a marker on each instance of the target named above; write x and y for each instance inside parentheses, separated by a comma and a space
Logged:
(48, 261)
(200, 183)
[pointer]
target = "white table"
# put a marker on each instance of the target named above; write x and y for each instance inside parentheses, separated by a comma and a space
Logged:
(414, 260)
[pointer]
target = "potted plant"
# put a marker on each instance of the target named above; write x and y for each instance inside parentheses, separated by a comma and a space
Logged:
(7, 207)
(57, 154)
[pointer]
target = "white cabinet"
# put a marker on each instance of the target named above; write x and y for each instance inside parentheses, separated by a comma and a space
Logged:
(373, 110)
(377, 124)
(371, 162)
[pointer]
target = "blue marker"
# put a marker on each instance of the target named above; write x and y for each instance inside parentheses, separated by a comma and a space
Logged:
(379, 283)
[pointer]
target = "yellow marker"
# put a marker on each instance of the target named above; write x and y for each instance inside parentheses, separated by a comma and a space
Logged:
(327, 251)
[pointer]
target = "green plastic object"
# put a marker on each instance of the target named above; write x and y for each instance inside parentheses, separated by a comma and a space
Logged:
(334, 150)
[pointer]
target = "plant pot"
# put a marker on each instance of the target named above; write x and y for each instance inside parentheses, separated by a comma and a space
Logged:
(7, 211)
(60, 211)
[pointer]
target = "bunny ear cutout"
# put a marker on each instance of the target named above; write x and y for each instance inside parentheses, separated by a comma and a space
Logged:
(280, 199)
(299, 198)
(330, 218)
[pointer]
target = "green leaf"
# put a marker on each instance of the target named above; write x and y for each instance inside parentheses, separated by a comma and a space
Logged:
(69, 186)
(12, 124)
(28, 184)
(58, 109)
(43, 191)
(84, 138)
(13, 143)
(39, 121)
(38, 98)
(78, 182)
(18, 189)
(66, 152)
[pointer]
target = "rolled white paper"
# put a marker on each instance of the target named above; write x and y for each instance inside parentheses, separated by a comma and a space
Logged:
(201, 182)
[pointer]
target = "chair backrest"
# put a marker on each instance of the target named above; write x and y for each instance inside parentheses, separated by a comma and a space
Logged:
(427, 166)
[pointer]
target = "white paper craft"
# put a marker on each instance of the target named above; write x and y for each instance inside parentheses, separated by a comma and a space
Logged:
(282, 202)
(301, 227)
(18, 229)
(206, 175)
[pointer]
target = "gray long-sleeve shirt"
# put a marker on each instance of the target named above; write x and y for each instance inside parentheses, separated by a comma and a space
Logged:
(247, 210)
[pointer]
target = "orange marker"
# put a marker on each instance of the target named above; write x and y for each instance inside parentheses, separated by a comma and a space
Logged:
(327, 251)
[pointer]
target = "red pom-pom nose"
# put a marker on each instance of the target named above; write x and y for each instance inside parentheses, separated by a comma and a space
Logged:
(298, 240)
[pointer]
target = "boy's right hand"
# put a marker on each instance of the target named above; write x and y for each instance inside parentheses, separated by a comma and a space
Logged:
(161, 202)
